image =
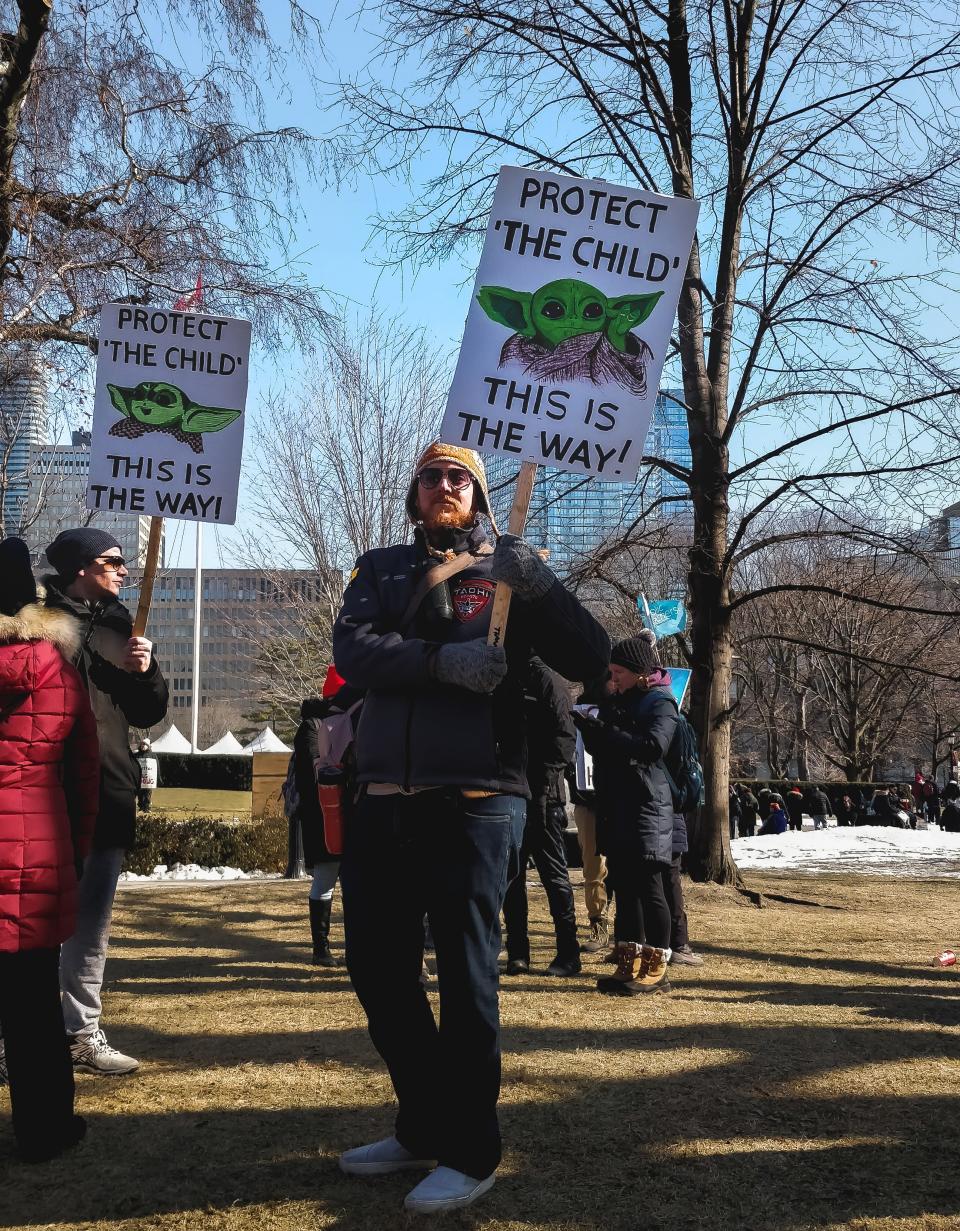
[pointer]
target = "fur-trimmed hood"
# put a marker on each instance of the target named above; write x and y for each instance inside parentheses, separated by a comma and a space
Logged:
(38, 623)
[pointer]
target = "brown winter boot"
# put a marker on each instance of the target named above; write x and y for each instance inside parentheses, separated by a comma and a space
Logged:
(653, 971)
(624, 980)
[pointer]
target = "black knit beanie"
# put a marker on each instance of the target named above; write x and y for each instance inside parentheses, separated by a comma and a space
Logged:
(17, 587)
(73, 550)
(638, 654)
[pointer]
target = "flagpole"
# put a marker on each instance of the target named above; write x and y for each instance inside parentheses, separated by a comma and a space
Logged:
(197, 604)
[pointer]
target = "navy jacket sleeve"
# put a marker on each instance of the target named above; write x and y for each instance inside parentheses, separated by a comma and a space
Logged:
(367, 650)
(566, 636)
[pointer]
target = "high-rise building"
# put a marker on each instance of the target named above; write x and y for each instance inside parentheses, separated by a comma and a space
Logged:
(23, 428)
(57, 500)
(571, 515)
(243, 610)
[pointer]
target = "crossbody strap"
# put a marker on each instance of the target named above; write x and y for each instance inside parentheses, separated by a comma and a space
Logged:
(435, 576)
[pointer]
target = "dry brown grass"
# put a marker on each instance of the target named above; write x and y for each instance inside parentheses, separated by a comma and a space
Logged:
(807, 1076)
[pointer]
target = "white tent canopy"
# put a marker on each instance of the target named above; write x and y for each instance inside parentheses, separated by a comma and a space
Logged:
(171, 741)
(227, 745)
(266, 741)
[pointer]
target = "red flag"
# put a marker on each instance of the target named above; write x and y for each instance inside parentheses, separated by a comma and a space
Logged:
(187, 303)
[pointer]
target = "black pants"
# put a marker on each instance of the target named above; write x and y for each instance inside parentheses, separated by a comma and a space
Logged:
(673, 891)
(642, 911)
(440, 854)
(38, 1057)
(543, 839)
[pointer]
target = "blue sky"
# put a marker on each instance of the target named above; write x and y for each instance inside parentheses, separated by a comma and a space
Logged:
(335, 248)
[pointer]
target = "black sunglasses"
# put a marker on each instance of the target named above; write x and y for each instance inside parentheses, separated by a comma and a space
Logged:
(432, 476)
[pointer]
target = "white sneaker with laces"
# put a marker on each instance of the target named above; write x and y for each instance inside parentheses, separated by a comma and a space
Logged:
(382, 1158)
(95, 1055)
(446, 1189)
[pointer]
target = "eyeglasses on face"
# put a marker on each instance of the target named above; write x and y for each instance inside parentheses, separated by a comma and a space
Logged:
(116, 563)
(456, 477)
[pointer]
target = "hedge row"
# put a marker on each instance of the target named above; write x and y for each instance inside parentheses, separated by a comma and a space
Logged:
(833, 789)
(203, 773)
(251, 846)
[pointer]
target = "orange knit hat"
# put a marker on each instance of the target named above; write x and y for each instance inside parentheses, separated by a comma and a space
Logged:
(468, 459)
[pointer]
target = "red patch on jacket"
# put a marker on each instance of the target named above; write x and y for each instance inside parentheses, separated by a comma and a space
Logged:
(470, 598)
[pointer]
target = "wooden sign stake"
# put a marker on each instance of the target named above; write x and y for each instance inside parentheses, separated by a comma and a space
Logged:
(149, 575)
(518, 519)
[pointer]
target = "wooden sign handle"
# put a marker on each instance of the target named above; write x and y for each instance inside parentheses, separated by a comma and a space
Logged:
(518, 519)
(149, 575)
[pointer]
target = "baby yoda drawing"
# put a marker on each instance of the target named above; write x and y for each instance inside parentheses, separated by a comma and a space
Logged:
(155, 406)
(568, 330)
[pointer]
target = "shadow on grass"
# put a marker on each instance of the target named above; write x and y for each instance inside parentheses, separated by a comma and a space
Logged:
(575, 1145)
(720, 1126)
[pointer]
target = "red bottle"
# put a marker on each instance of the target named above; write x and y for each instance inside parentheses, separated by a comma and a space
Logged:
(946, 958)
(331, 805)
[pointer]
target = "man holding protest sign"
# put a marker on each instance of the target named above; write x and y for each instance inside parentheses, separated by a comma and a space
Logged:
(126, 689)
(440, 754)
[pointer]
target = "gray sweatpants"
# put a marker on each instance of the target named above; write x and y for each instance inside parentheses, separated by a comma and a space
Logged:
(84, 955)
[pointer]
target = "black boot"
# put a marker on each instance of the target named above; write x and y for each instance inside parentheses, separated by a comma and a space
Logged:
(320, 932)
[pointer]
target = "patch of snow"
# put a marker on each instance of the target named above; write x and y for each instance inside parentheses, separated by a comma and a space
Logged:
(193, 872)
(862, 849)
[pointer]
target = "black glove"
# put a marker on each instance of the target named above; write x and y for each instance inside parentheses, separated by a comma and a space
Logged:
(517, 564)
(470, 664)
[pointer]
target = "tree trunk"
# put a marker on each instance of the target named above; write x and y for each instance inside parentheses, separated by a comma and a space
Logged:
(711, 659)
(803, 765)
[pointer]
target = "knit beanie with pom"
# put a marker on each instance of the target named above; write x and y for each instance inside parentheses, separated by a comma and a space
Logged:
(638, 654)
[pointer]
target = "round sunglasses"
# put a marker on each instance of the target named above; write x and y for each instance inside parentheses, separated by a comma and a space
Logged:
(432, 477)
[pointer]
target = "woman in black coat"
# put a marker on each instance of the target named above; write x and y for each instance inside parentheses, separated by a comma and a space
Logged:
(628, 739)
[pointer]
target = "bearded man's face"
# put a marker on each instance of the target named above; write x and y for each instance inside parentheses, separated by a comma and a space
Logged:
(445, 497)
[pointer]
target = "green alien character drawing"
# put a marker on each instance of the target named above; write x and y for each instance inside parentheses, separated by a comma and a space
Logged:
(568, 330)
(155, 406)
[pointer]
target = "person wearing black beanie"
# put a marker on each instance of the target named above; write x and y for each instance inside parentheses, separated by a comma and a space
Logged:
(73, 550)
(126, 689)
(628, 740)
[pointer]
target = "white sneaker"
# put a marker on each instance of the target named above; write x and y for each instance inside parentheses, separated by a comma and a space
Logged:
(445, 1189)
(382, 1158)
(95, 1055)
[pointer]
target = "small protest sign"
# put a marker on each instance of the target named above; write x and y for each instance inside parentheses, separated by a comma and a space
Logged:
(168, 413)
(570, 322)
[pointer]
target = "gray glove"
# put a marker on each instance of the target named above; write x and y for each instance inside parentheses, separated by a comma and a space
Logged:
(470, 664)
(517, 563)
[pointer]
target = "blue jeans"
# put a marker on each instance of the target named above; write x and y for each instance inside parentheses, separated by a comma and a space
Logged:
(439, 854)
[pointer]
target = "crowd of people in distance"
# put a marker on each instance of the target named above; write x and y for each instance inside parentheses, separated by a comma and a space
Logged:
(905, 806)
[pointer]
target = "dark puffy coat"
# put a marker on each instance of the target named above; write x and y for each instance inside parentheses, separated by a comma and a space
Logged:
(305, 748)
(817, 802)
(794, 805)
(634, 801)
(120, 699)
(48, 778)
(415, 731)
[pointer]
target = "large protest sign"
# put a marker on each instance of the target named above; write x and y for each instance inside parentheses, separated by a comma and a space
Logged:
(168, 413)
(570, 322)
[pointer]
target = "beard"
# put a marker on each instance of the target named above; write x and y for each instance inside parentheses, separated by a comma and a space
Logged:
(448, 515)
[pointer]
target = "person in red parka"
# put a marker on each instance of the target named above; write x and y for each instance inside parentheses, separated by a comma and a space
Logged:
(49, 783)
